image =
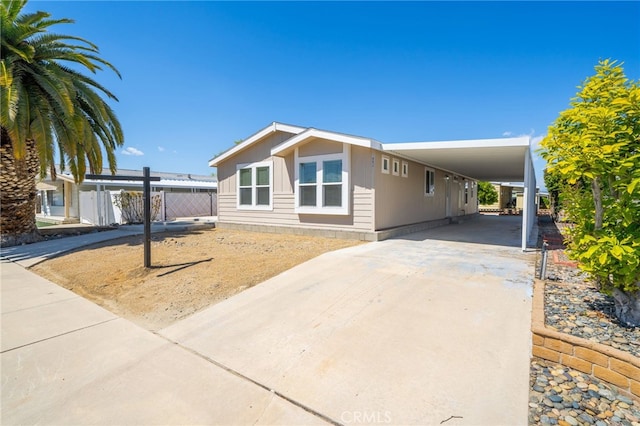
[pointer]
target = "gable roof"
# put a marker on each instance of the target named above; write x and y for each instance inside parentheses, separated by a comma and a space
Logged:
(256, 137)
(312, 133)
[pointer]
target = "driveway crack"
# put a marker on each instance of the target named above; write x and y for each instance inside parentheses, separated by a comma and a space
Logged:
(255, 382)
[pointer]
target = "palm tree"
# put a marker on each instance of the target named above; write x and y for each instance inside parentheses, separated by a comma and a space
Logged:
(49, 111)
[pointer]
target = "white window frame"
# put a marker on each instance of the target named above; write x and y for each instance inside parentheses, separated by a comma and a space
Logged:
(405, 169)
(430, 190)
(385, 164)
(395, 168)
(254, 198)
(56, 197)
(466, 191)
(343, 210)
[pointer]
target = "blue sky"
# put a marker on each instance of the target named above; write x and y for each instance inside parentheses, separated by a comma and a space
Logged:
(199, 75)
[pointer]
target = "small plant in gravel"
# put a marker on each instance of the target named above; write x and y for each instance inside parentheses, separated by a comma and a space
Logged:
(594, 146)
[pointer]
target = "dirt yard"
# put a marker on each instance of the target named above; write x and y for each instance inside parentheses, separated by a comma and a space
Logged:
(190, 271)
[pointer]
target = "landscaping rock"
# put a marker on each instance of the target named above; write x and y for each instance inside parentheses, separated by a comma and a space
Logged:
(574, 306)
(588, 407)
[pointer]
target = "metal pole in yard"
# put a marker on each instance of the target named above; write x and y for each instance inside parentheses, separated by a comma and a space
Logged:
(543, 261)
(146, 195)
(147, 216)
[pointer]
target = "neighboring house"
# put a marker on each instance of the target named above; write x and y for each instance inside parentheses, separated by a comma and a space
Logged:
(92, 201)
(288, 178)
(510, 198)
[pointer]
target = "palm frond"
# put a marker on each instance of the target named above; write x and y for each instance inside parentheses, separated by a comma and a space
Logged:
(85, 79)
(41, 132)
(44, 39)
(53, 86)
(11, 9)
(45, 100)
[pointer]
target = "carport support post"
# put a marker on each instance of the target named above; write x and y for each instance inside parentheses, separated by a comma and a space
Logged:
(146, 195)
(528, 198)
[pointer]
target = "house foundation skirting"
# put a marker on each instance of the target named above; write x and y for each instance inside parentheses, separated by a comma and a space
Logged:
(344, 234)
(611, 365)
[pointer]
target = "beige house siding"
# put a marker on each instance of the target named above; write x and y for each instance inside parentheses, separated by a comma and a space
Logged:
(319, 147)
(401, 200)
(378, 201)
(283, 212)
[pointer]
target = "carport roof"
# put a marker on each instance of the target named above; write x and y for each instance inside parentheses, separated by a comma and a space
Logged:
(483, 159)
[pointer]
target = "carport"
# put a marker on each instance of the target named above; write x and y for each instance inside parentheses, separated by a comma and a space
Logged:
(504, 159)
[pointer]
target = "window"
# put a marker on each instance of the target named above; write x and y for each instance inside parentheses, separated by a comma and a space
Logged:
(332, 183)
(429, 182)
(322, 189)
(385, 164)
(56, 198)
(308, 184)
(466, 191)
(405, 169)
(254, 186)
(396, 167)
(321, 184)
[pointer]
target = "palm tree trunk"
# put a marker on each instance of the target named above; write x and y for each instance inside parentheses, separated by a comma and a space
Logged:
(17, 194)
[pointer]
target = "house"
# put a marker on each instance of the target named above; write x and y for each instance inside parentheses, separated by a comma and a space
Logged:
(287, 178)
(510, 198)
(92, 201)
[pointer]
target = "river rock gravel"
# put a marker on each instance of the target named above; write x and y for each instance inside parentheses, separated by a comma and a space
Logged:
(560, 395)
(580, 310)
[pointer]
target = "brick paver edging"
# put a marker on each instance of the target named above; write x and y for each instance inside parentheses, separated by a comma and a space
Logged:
(606, 363)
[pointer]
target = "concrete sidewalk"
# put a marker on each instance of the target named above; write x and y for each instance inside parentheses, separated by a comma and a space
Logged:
(65, 360)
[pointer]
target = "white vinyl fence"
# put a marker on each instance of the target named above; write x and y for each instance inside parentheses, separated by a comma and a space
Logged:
(97, 208)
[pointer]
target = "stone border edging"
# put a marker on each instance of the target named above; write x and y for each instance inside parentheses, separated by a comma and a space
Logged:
(611, 365)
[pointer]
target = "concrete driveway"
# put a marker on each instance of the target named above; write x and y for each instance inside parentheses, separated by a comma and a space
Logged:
(424, 329)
